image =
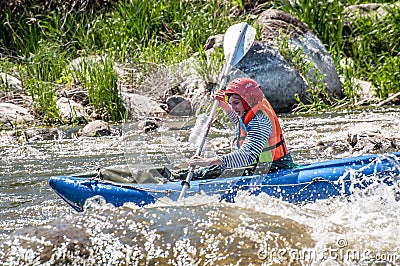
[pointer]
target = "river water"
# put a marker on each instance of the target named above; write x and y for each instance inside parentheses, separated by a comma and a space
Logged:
(38, 228)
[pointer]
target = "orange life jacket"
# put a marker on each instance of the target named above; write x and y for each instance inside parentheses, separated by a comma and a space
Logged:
(275, 148)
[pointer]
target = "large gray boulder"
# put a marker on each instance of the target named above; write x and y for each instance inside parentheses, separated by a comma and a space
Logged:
(179, 106)
(11, 83)
(97, 128)
(280, 79)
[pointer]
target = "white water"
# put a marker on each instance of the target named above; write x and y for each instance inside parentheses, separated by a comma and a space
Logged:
(38, 228)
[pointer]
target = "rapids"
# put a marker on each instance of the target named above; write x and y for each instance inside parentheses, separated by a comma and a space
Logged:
(38, 228)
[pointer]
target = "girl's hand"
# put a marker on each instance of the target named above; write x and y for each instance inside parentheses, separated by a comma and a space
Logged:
(200, 161)
(220, 95)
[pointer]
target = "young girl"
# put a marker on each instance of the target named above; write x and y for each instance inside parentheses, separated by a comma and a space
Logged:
(261, 145)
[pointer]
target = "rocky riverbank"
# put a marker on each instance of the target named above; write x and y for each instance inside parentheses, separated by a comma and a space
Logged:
(181, 90)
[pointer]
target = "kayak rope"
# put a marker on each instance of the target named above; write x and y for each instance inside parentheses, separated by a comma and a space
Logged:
(152, 190)
(316, 180)
(305, 184)
(308, 184)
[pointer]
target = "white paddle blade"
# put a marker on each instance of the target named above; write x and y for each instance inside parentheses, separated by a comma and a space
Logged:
(238, 39)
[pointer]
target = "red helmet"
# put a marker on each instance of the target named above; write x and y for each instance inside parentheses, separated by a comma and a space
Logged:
(248, 89)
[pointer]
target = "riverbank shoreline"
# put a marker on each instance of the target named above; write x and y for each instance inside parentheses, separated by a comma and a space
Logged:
(76, 88)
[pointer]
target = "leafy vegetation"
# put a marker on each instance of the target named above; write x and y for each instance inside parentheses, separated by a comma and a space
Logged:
(40, 40)
(367, 51)
(101, 81)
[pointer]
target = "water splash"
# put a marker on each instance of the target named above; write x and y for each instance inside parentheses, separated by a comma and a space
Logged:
(182, 235)
(204, 231)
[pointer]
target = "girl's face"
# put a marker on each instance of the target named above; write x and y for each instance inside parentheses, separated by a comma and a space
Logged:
(236, 102)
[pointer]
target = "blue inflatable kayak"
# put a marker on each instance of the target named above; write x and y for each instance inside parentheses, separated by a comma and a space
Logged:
(308, 183)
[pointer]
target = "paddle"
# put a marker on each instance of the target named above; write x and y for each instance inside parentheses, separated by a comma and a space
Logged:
(238, 39)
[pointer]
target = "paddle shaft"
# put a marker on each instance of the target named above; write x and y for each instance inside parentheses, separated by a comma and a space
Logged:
(241, 46)
(185, 184)
(212, 114)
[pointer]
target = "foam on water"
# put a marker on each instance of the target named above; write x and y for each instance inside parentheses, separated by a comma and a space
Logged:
(255, 229)
(364, 226)
(252, 231)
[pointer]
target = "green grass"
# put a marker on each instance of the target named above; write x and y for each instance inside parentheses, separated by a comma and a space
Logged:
(101, 81)
(376, 51)
(40, 73)
(41, 46)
